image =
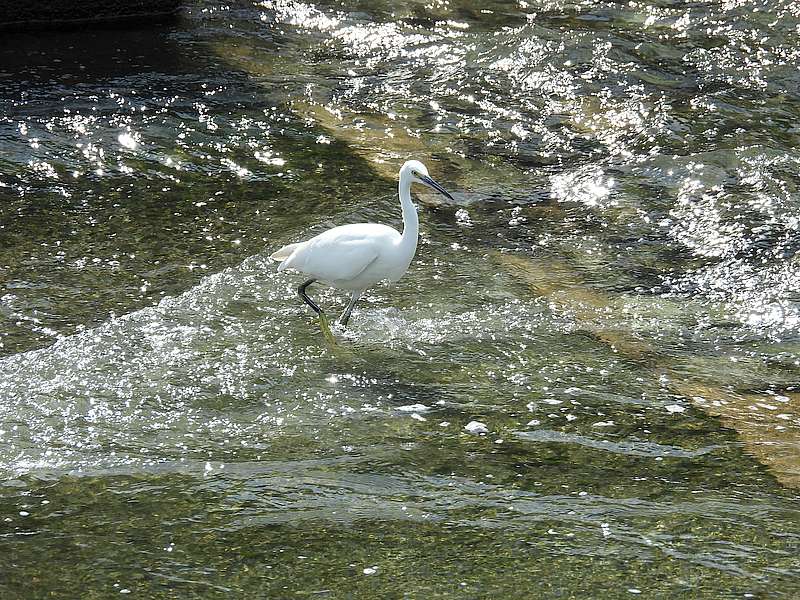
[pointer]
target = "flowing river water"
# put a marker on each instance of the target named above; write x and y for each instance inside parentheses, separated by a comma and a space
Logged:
(614, 294)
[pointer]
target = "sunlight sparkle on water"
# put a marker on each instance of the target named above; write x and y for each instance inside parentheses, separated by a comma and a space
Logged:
(128, 140)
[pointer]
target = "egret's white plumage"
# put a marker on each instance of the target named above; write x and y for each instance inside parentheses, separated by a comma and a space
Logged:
(356, 257)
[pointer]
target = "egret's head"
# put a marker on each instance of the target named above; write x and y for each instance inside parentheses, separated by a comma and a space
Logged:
(418, 173)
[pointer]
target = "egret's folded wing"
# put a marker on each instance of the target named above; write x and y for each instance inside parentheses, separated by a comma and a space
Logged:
(332, 259)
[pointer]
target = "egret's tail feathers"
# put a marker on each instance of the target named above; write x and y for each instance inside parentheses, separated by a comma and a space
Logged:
(285, 252)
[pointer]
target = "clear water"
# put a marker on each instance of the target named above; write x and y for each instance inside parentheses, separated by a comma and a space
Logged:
(613, 294)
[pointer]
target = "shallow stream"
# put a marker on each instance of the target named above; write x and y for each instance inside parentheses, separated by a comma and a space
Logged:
(614, 294)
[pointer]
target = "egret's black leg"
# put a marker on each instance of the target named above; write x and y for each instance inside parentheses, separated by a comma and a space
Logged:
(347, 311)
(302, 291)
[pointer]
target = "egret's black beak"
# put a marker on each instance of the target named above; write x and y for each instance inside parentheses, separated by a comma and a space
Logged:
(432, 184)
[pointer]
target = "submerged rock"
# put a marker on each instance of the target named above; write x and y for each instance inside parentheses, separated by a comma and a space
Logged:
(476, 428)
(767, 423)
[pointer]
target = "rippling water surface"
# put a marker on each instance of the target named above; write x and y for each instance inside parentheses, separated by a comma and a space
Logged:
(614, 293)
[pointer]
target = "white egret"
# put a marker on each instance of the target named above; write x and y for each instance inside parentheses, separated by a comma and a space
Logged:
(356, 257)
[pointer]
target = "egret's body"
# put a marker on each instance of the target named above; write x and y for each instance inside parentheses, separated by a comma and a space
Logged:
(356, 257)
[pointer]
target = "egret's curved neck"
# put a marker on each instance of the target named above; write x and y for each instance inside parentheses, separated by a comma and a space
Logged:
(408, 241)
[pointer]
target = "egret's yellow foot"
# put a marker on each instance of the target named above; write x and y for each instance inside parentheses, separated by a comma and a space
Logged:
(325, 327)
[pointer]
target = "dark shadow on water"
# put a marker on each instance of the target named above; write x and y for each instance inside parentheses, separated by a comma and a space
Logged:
(69, 58)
